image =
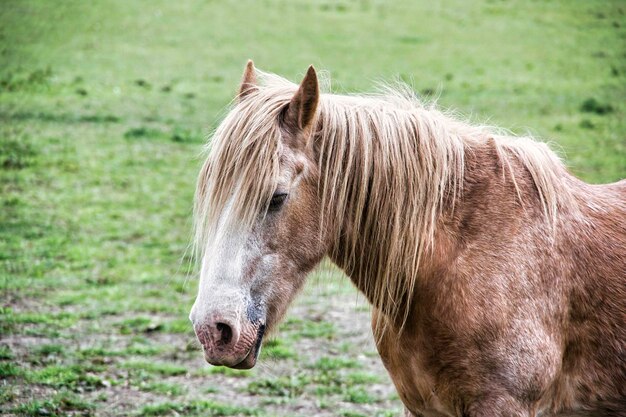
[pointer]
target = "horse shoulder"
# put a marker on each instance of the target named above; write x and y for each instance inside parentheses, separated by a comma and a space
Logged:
(404, 360)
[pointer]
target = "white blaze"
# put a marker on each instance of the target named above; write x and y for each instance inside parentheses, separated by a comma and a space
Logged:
(222, 288)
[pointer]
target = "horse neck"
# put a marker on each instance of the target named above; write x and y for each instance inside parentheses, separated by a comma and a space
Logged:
(384, 223)
(488, 190)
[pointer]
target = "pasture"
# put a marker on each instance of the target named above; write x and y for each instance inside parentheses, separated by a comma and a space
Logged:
(104, 111)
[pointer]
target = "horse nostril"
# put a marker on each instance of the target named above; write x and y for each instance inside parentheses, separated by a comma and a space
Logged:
(226, 333)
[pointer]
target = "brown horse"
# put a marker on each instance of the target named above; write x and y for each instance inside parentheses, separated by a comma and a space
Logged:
(497, 279)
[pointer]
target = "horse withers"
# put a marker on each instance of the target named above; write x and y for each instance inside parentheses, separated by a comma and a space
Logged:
(497, 279)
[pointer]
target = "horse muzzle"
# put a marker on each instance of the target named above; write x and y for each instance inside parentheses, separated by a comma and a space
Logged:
(228, 343)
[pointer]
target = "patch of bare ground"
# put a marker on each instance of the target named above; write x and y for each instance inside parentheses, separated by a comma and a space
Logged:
(321, 362)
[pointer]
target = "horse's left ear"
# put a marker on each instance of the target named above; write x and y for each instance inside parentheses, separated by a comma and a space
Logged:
(248, 82)
(302, 107)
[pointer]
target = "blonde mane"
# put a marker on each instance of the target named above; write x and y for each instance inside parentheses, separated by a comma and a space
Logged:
(387, 165)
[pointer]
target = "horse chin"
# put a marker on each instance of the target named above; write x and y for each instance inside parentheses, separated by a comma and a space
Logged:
(248, 362)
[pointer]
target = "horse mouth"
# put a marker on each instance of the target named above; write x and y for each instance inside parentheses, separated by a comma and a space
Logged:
(250, 360)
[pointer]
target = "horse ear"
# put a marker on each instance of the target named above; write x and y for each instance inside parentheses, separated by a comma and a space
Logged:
(248, 82)
(301, 109)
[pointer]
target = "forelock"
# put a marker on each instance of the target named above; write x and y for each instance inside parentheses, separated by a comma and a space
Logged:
(242, 166)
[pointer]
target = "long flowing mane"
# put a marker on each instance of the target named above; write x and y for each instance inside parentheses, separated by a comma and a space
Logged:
(387, 162)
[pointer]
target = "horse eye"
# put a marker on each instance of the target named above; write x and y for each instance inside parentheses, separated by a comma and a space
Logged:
(277, 201)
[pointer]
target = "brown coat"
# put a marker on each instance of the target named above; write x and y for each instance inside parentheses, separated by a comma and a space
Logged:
(498, 280)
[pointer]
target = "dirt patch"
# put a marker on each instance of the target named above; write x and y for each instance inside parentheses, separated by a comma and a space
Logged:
(321, 362)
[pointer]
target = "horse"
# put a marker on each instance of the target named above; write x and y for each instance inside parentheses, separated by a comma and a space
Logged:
(497, 279)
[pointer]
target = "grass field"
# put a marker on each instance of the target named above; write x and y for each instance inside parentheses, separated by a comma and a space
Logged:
(104, 108)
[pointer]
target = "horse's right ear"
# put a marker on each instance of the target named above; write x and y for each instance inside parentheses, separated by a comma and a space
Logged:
(248, 82)
(303, 106)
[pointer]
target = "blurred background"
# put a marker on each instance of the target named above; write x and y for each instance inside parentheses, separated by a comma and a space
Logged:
(104, 109)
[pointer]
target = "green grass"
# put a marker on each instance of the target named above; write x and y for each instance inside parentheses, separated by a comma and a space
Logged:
(349, 413)
(61, 404)
(163, 369)
(277, 349)
(309, 329)
(34, 323)
(9, 369)
(358, 395)
(49, 350)
(66, 376)
(164, 388)
(229, 372)
(362, 378)
(331, 364)
(104, 109)
(290, 387)
(6, 353)
(196, 408)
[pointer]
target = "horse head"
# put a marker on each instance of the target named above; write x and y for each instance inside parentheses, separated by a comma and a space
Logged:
(257, 219)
